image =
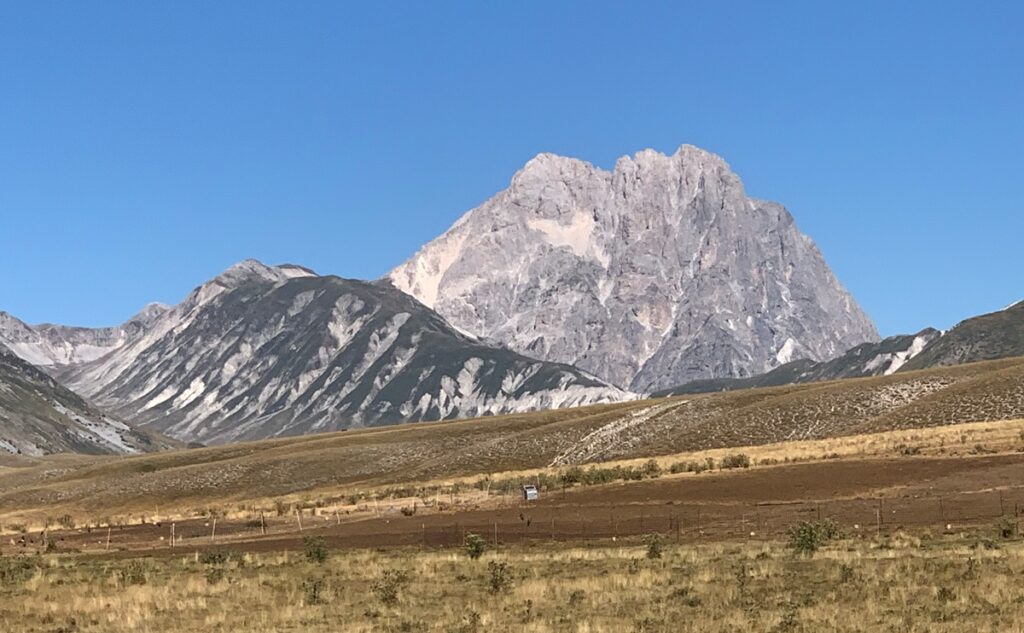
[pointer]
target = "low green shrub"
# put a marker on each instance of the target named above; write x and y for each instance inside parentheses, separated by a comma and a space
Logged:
(806, 537)
(475, 546)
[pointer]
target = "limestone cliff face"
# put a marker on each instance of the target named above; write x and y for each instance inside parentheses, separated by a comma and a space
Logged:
(656, 273)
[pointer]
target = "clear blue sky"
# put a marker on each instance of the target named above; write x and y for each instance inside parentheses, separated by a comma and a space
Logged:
(145, 146)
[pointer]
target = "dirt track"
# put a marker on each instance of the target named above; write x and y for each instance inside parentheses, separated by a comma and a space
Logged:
(864, 496)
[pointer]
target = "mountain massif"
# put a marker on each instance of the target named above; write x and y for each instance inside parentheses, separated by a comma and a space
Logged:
(656, 273)
(263, 351)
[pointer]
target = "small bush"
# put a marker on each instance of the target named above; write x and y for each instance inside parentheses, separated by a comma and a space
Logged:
(471, 624)
(1007, 529)
(67, 522)
(688, 467)
(213, 558)
(388, 587)
(651, 469)
(577, 597)
(788, 621)
(315, 549)
(475, 546)
(314, 589)
(499, 576)
(134, 573)
(214, 575)
(846, 574)
(807, 536)
(685, 596)
(739, 460)
(654, 546)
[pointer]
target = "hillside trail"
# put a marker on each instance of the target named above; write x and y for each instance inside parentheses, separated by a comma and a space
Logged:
(613, 435)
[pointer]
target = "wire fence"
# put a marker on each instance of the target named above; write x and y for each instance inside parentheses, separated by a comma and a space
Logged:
(550, 520)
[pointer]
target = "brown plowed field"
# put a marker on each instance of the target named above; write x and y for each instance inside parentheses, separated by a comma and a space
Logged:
(864, 495)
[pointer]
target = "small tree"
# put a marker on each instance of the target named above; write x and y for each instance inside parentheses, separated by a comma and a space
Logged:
(475, 546)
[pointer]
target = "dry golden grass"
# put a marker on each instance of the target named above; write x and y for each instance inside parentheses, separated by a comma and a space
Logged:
(899, 583)
(1001, 436)
(960, 439)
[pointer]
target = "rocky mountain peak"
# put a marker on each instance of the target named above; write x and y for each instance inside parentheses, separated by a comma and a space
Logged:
(656, 273)
(149, 313)
(250, 270)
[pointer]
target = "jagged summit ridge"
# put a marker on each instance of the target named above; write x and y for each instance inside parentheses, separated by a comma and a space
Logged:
(657, 272)
(254, 270)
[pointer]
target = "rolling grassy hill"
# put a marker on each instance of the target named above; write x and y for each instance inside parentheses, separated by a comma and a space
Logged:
(422, 452)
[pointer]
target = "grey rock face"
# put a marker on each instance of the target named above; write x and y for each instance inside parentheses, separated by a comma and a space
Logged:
(657, 273)
(38, 416)
(263, 351)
